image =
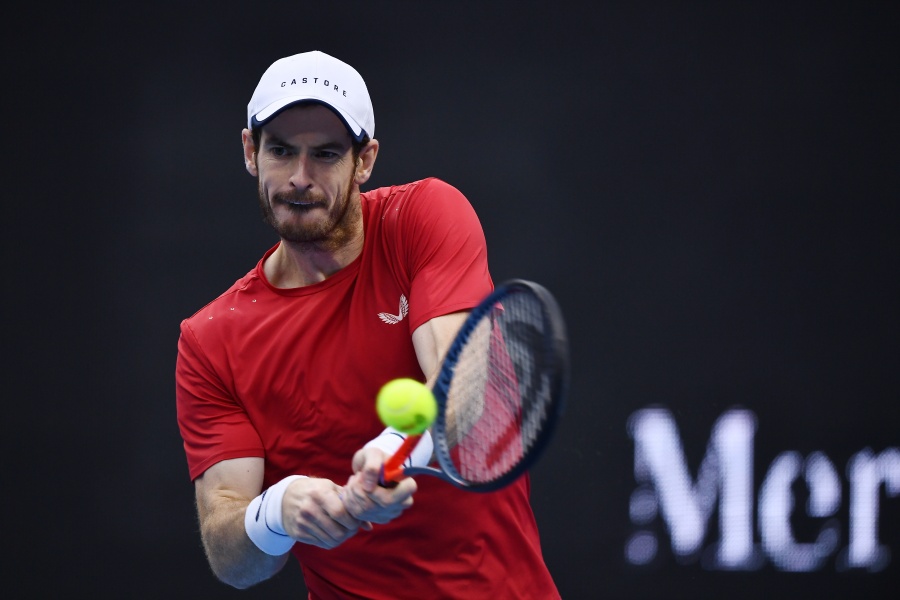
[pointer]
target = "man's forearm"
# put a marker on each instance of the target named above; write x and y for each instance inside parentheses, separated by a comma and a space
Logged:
(233, 557)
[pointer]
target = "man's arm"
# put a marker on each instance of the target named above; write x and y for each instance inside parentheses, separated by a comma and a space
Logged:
(223, 493)
(311, 510)
(432, 339)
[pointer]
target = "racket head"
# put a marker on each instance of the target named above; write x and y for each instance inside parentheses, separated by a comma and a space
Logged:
(502, 388)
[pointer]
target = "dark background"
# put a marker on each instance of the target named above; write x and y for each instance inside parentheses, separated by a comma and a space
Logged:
(710, 189)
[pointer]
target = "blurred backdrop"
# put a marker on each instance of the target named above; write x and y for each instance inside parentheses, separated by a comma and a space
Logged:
(710, 189)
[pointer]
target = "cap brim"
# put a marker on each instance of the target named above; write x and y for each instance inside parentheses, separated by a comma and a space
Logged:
(271, 111)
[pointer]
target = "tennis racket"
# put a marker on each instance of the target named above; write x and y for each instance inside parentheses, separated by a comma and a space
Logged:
(500, 391)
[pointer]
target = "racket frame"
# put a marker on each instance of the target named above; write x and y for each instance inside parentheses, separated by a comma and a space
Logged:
(556, 352)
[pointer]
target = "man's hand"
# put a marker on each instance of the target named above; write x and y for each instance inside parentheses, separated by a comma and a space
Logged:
(365, 499)
(313, 513)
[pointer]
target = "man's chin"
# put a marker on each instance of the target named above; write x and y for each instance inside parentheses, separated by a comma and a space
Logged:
(300, 230)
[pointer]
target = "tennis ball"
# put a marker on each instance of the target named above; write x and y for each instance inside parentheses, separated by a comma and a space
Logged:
(406, 405)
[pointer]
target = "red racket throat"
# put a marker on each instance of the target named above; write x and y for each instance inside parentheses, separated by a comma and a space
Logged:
(393, 467)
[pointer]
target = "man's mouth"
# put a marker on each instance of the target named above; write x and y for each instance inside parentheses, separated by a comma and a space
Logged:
(298, 203)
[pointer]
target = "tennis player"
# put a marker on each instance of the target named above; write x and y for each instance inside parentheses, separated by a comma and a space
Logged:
(276, 378)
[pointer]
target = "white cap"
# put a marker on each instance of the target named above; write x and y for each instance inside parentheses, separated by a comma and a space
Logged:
(313, 77)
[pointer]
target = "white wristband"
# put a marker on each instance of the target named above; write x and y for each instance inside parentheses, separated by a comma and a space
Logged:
(262, 519)
(391, 439)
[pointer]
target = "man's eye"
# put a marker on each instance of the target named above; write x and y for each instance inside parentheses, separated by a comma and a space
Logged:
(326, 154)
(278, 150)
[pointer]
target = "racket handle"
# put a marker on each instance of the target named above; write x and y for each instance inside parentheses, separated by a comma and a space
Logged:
(392, 471)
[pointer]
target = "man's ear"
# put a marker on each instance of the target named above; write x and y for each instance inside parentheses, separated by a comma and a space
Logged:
(366, 162)
(249, 152)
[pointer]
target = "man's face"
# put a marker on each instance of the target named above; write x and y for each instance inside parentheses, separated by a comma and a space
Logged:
(306, 177)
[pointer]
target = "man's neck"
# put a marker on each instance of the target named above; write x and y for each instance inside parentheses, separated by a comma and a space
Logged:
(294, 265)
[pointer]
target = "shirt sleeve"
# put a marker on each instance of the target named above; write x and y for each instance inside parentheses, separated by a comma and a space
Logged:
(213, 424)
(447, 253)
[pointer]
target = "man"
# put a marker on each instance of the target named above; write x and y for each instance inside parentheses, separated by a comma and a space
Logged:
(276, 378)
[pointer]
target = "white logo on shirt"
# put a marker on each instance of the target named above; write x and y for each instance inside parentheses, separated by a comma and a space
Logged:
(394, 319)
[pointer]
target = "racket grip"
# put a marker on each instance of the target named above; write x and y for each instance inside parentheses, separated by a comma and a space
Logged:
(392, 471)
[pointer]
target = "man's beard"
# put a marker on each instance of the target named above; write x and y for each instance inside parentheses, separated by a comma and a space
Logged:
(337, 227)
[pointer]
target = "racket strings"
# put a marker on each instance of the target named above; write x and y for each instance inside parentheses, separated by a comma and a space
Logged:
(500, 392)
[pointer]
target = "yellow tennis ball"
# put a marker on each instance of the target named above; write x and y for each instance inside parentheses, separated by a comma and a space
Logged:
(406, 405)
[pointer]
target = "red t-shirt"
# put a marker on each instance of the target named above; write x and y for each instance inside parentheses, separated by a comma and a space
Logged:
(290, 375)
